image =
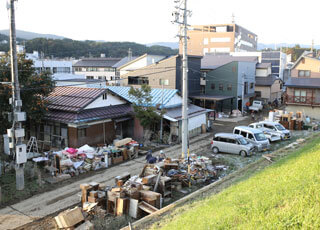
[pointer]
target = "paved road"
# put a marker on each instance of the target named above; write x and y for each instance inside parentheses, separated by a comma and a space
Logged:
(48, 203)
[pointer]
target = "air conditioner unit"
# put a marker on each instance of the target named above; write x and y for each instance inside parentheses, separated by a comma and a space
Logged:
(18, 133)
(21, 154)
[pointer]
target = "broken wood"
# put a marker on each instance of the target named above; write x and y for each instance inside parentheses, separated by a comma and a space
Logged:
(69, 218)
(147, 207)
(267, 158)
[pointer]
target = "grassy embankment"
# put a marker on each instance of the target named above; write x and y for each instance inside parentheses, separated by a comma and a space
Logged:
(285, 195)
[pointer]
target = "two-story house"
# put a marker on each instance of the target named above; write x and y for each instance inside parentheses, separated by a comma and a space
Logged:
(268, 86)
(303, 87)
(228, 77)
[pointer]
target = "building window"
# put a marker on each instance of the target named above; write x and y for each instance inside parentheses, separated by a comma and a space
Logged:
(213, 86)
(104, 96)
(258, 94)
(164, 82)
(221, 87)
(206, 41)
(303, 60)
(90, 77)
(304, 73)
(300, 96)
(138, 81)
(229, 87)
(251, 85)
(82, 133)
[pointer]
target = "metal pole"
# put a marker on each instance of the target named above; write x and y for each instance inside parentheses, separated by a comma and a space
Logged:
(184, 85)
(161, 124)
(15, 94)
(242, 94)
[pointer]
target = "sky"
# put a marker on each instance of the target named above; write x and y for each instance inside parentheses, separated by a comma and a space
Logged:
(148, 21)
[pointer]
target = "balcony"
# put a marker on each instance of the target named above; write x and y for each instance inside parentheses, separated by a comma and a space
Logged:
(302, 100)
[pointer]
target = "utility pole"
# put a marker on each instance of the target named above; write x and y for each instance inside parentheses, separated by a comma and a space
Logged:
(182, 6)
(16, 133)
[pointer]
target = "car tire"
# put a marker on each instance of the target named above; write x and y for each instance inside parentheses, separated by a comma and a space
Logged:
(243, 153)
(215, 150)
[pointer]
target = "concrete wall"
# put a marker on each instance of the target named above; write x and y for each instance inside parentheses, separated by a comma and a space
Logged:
(313, 112)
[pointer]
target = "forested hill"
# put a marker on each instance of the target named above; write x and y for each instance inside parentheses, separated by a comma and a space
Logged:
(73, 48)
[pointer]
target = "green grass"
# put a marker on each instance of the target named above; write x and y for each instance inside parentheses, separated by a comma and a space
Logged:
(285, 195)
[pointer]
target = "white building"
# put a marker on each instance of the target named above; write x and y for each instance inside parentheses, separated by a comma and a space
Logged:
(98, 68)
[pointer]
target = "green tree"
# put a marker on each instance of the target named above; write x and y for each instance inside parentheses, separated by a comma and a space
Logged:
(145, 112)
(33, 87)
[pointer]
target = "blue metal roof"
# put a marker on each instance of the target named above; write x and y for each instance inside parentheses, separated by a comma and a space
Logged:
(157, 95)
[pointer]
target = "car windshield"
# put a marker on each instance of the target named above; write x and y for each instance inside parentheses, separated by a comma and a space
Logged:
(243, 141)
(260, 136)
(280, 127)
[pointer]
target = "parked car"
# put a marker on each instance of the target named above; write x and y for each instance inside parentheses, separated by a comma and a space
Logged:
(231, 143)
(256, 106)
(269, 133)
(254, 136)
(278, 128)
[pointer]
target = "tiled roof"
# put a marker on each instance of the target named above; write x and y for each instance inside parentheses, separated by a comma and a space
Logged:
(213, 61)
(109, 112)
(97, 62)
(193, 110)
(265, 81)
(157, 95)
(72, 99)
(303, 82)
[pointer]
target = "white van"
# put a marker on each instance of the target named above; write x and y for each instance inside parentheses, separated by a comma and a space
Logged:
(269, 133)
(277, 127)
(231, 143)
(254, 136)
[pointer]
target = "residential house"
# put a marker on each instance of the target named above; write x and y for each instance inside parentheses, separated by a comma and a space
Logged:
(268, 86)
(171, 102)
(166, 73)
(98, 68)
(303, 87)
(128, 64)
(226, 78)
(219, 38)
(78, 116)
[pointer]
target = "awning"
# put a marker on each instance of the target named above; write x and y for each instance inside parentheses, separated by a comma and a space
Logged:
(212, 98)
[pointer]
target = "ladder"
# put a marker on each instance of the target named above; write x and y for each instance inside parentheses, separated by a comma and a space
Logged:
(32, 145)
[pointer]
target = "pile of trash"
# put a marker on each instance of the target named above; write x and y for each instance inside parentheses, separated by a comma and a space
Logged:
(144, 194)
(84, 159)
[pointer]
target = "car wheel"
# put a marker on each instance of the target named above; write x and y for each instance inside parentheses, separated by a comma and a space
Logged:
(215, 150)
(243, 153)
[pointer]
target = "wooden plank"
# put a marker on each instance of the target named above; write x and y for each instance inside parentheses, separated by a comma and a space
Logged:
(122, 142)
(122, 206)
(147, 207)
(133, 208)
(149, 179)
(69, 218)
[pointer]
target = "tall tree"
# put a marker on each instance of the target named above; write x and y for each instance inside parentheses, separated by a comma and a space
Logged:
(33, 87)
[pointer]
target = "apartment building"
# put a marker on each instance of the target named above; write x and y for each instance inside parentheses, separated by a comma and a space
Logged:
(220, 38)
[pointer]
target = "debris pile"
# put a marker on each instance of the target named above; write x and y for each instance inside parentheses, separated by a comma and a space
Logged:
(72, 162)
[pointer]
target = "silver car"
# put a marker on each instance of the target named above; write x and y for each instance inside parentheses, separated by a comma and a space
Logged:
(278, 128)
(231, 143)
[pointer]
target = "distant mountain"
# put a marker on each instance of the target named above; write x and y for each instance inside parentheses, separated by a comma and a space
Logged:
(30, 35)
(262, 46)
(172, 45)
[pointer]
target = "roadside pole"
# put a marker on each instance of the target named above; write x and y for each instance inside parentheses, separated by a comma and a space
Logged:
(16, 133)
